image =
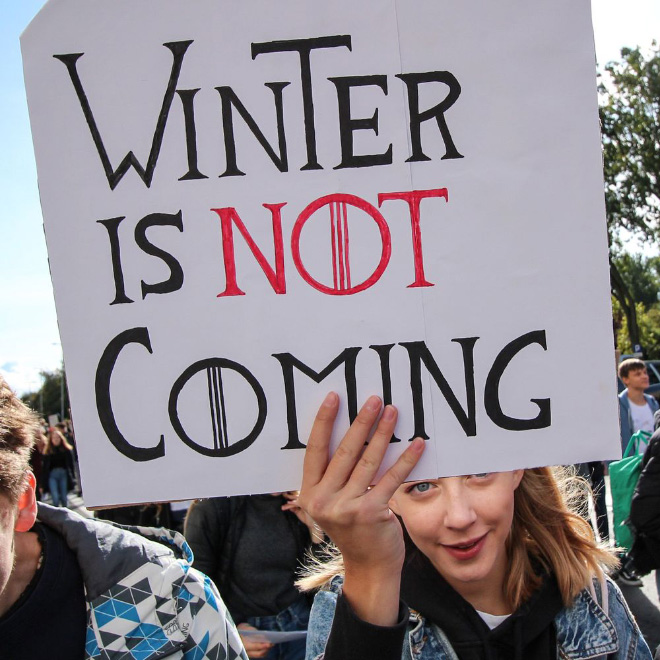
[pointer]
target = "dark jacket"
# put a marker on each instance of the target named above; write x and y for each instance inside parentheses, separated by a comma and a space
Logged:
(46, 466)
(214, 529)
(645, 510)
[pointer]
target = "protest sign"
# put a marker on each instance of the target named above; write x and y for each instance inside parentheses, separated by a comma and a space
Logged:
(250, 204)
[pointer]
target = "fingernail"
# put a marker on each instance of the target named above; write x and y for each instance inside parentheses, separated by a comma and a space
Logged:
(417, 445)
(389, 413)
(330, 399)
(372, 404)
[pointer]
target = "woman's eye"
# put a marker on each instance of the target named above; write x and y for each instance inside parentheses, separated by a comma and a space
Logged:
(481, 475)
(421, 487)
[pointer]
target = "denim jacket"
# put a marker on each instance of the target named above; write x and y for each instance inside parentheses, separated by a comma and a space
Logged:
(584, 630)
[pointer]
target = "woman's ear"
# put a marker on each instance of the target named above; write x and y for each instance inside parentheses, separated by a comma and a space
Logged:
(27, 506)
(517, 478)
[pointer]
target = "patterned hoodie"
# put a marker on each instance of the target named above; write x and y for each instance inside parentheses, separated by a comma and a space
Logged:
(144, 600)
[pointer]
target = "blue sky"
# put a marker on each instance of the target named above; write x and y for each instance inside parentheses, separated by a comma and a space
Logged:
(29, 339)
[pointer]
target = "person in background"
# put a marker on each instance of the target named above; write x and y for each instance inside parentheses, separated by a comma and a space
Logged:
(66, 428)
(252, 547)
(636, 408)
(636, 411)
(74, 588)
(644, 518)
(493, 566)
(58, 466)
(36, 461)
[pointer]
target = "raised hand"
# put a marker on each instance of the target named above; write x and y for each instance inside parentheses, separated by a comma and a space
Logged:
(336, 493)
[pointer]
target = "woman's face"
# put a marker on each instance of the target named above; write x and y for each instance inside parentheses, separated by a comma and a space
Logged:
(55, 438)
(461, 524)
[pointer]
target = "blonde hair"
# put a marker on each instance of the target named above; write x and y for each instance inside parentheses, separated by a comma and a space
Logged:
(549, 531)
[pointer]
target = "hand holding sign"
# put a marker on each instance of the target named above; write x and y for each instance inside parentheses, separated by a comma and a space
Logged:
(336, 493)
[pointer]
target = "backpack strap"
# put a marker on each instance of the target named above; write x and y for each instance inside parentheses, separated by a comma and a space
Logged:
(604, 600)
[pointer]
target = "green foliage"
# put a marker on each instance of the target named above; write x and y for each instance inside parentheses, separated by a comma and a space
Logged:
(642, 277)
(48, 399)
(630, 123)
(649, 329)
(630, 118)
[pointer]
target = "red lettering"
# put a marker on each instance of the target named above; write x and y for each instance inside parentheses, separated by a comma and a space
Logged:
(413, 198)
(228, 216)
(338, 214)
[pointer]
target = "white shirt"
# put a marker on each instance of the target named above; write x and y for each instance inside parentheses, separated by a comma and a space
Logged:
(642, 420)
(493, 620)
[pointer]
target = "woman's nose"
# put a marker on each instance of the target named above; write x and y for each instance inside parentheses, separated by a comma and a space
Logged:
(459, 511)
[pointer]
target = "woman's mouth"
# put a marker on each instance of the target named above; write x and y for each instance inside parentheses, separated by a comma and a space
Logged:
(468, 549)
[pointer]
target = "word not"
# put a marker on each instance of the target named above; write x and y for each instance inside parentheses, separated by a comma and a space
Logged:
(336, 205)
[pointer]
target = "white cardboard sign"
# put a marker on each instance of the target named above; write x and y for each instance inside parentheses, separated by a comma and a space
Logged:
(250, 204)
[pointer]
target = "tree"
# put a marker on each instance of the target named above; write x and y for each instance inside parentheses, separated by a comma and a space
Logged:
(630, 121)
(48, 399)
(642, 277)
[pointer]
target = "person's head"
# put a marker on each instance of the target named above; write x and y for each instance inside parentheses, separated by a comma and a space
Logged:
(18, 428)
(55, 439)
(462, 525)
(499, 531)
(18, 431)
(633, 374)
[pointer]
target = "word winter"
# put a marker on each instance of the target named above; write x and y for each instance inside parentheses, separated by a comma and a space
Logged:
(231, 104)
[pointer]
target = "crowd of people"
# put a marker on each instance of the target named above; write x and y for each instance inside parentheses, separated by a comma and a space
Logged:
(482, 566)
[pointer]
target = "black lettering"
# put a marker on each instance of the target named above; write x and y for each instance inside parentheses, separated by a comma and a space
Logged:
(175, 280)
(418, 353)
(492, 389)
(112, 225)
(437, 112)
(304, 48)
(178, 50)
(348, 358)
(229, 100)
(386, 375)
(222, 446)
(187, 97)
(104, 402)
(347, 125)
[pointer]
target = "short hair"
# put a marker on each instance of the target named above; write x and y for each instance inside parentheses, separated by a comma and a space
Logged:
(18, 431)
(631, 364)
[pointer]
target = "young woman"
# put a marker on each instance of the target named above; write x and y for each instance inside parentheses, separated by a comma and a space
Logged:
(58, 466)
(490, 566)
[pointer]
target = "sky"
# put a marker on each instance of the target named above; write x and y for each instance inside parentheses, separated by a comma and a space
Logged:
(29, 338)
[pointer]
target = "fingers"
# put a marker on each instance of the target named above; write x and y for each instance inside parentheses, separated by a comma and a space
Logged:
(316, 454)
(352, 465)
(351, 447)
(369, 463)
(399, 472)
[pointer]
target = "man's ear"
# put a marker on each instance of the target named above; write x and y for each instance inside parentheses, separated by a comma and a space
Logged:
(27, 506)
